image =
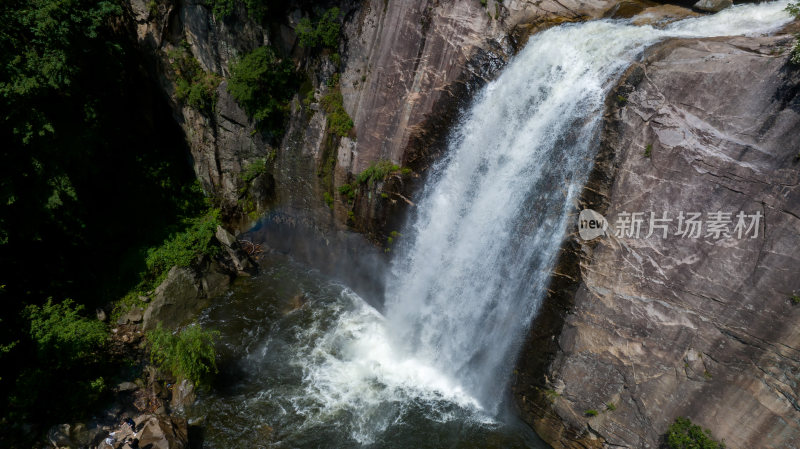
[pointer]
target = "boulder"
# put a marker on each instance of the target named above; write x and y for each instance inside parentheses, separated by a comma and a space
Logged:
(127, 386)
(662, 15)
(174, 301)
(225, 237)
(713, 5)
(80, 434)
(182, 395)
(237, 256)
(101, 314)
(163, 432)
(59, 436)
(215, 280)
(132, 316)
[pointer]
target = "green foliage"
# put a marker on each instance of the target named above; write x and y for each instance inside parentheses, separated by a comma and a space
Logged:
(348, 191)
(263, 84)
(250, 172)
(249, 206)
(610, 406)
(591, 412)
(188, 354)
(309, 98)
(551, 395)
(37, 40)
(339, 120)
(257, 9)
(94, 170)
(62, 336)
(648, 150)
(194, 86)
(254, 169)
(795, 298)
(324, 32)
(794, 9)
(306, 91)
(622, 100)
(333, 81)
(65, 376)
(328, 28)
(336, 59)
(152, 8)
(682, 434)
(377, 172)
(306, 33)
(328, 199)
(181, 248)
(222, 8)
(483, 3)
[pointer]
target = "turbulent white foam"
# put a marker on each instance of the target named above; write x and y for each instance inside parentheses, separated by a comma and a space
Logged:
(351, 366)
(486, 234)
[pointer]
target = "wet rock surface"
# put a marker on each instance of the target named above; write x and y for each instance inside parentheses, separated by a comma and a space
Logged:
(712, 5)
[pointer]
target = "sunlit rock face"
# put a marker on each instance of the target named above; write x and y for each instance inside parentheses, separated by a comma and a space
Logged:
(699, 327)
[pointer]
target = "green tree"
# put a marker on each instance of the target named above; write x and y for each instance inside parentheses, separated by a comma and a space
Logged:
(682, 434)
(262, 83)
(93, 173)
(195, 86)
(339, 120)
(66, 375)
(188, 354)
(62, 336)
(182, 247)
(324, 32)
(222, 8)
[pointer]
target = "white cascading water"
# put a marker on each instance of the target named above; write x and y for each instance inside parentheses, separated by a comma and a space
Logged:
(486, 232)
(490, 224)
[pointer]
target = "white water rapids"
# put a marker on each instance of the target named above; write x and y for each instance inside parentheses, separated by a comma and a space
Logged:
(474, 261)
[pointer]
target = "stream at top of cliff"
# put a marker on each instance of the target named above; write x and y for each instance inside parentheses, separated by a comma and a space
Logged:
(306, 362)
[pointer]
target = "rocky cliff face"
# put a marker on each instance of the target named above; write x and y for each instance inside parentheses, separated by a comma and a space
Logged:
(699, 327)
(406, 69)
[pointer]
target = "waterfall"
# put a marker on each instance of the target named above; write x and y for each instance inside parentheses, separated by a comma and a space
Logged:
(429, 370)
(319, 367)
(489, 224)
